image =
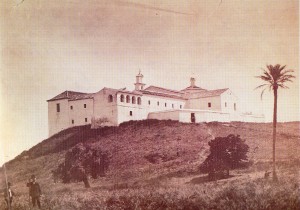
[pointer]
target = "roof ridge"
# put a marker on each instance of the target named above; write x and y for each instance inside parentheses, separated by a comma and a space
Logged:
(176, 91)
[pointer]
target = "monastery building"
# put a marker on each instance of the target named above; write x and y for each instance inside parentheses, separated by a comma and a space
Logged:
(114, 106)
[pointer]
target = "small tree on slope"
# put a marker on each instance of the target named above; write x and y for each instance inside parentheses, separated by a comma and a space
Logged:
(80, 162)
(225, 153)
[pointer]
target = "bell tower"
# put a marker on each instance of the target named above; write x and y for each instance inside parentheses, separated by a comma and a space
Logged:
(139, 85)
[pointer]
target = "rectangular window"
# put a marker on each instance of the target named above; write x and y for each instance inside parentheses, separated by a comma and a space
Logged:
(234, 106)
(57, 107)
(130, 113)
(173, 106)
(165, 104)
(209, 104)
(72, 121)
(158, 103)
(71, 107)
(84, 105)
(180, 106)
(85, 119)
(149, 102)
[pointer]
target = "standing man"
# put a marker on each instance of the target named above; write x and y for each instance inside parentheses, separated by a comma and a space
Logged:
(8, 195)
(34, 191)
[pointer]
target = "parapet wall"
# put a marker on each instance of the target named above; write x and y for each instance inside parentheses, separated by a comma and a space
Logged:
(189, 115)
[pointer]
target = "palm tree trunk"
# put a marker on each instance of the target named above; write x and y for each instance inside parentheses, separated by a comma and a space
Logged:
(274, 133)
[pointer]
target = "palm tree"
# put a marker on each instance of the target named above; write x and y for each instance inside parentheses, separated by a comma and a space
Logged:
(275, 77)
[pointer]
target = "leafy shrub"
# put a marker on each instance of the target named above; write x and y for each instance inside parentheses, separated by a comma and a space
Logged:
(80, 162)
(225, 153)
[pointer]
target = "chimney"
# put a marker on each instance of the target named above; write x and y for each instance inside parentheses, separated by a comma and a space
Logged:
(193, 80)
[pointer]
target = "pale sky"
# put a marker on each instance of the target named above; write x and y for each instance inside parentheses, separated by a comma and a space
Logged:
(48, 47)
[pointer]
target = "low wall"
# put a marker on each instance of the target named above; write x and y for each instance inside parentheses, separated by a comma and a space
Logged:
(186, 116)
(252, 118)
(204, 116)
(165, 115)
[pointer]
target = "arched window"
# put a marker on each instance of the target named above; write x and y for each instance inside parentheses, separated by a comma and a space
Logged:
(110, 98)
(133, 100)
(127, 99)
(122, 98)
(139, 100)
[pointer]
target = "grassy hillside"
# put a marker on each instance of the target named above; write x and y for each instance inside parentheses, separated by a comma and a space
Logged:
(156, 162)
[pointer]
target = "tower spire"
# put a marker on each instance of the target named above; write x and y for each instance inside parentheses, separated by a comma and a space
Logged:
(139, 85)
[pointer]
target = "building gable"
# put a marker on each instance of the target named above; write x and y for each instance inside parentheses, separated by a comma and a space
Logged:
(71, 95)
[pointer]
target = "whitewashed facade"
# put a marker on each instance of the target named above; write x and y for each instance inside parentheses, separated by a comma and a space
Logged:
(114, 106)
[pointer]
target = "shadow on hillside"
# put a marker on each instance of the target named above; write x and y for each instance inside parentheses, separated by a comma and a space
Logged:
(203, 179)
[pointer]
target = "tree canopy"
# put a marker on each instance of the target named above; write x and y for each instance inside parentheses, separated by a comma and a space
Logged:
(275, 77)
(225, 153)
(80, 162)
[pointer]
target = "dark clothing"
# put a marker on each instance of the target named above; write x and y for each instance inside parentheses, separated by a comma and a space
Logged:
(35, 190)
(35, 193)
(36, 200)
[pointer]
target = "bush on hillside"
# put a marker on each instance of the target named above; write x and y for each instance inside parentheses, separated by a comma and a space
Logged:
(225, 153)
(80, 162)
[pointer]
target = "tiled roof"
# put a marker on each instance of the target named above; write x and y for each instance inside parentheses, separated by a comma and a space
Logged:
(193, 88)
(123, 90)
(72, 95)
(135, 92)
(163, 90)
(109, 89)
(210, 93)
(151, 90)
(162, 94)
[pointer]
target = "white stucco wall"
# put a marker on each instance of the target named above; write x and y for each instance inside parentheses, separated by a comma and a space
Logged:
(105, 109)
(185, 116)
(79, 113)
(164, 103)
(204, 116)
(230, 99)
(202, 103)
(58, 121)
(252, 118)
(117, 112)
(124, 108)
(165, 115)
(137, 113)
(140, 112)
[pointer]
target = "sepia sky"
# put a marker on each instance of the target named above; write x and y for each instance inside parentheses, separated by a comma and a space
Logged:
(48, 47)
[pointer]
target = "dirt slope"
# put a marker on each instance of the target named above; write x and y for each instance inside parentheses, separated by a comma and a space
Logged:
(154, 165)
(143, 150)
